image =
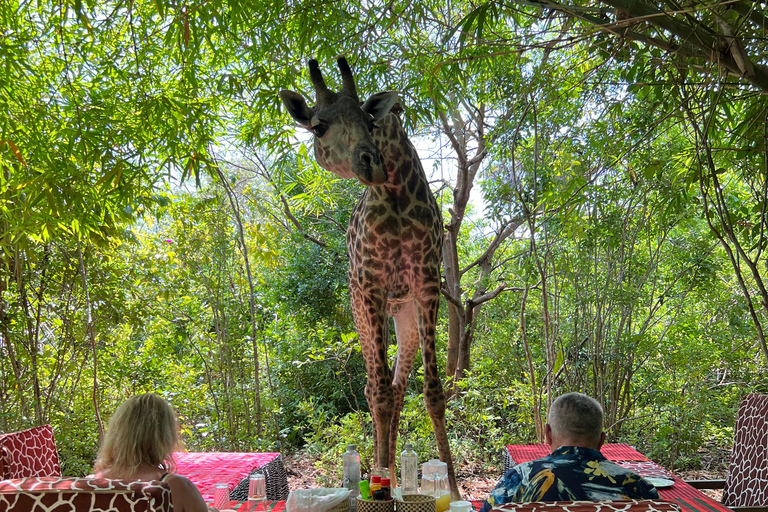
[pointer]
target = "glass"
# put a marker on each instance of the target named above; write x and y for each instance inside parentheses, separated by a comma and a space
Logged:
(257, 490)
(221, 496)
(461, 506)
(382, 472)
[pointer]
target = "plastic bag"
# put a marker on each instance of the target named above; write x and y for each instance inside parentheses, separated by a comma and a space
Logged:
(315, 500)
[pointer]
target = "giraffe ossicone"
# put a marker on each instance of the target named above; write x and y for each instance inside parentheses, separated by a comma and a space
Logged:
(394, 242)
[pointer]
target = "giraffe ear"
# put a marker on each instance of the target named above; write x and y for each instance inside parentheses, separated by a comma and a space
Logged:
(379, 104)
(297, 107)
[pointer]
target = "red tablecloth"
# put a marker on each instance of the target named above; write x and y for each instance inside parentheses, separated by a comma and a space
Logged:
(612, 451)
(206, 469)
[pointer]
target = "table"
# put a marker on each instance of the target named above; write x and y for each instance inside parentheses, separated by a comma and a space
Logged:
(279, 506)
(206, 469)
(689, 498)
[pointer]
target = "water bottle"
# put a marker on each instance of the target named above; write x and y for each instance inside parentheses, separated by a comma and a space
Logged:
(351, 465)
(409, 478)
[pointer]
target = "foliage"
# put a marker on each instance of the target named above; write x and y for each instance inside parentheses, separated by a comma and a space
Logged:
(618, 213)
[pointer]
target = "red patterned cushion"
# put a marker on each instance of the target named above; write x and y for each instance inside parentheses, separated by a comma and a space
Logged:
(592, 506)
(29, 453)
(747, 482)
(48, 494)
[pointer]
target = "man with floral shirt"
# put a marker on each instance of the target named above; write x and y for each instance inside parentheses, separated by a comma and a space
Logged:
(575, 470)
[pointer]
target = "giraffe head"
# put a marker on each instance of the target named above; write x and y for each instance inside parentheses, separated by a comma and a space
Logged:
(342, 126)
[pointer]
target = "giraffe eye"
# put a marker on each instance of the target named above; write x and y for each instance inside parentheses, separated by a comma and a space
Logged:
(372, 127)
(319, 129)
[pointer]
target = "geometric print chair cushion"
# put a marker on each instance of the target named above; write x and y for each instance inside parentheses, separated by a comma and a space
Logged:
(47, 494)
(747, 482)
(591, 506)
(29, 453)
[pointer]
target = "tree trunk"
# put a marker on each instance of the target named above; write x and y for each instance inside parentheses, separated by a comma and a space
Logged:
(4, 321)
(92, 337)
(33, 331)
(251, 302)
(537, 422)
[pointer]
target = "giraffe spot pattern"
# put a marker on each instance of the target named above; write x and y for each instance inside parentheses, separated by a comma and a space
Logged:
(592, 506)
(747, 482)
(55, 494)
(28, 453)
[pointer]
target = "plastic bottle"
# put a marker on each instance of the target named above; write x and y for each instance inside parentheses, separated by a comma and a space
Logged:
(365, 490)
(409, 477)
(351, 467)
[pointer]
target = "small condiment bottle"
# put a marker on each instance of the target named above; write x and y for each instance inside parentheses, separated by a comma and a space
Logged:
(376, 487)
(365, 490)
(386, 489)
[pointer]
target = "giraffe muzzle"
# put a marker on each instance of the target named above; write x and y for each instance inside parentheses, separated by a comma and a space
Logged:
(369, 167)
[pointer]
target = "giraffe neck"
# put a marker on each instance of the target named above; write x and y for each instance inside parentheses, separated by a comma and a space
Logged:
(406, 175)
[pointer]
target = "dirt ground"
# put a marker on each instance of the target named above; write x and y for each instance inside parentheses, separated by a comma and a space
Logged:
(476, 482)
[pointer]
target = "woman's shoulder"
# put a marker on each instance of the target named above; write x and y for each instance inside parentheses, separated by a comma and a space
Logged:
(186, 497)
(178, 480)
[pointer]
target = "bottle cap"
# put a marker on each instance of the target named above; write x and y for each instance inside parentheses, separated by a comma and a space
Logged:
(351, 447)
(375, 479)
(408, 446)
(385, 482)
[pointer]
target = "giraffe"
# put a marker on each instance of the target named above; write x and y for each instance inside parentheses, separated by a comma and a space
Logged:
(394, 242)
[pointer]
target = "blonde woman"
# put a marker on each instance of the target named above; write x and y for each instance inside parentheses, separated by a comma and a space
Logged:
(141, 438)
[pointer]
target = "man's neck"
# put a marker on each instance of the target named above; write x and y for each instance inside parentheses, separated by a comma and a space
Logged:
(578, 443)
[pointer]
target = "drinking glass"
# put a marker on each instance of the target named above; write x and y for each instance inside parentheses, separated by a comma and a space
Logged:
(257, 490)
(221, 496)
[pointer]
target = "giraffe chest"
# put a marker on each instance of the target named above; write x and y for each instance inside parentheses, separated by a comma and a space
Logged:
(393, 243)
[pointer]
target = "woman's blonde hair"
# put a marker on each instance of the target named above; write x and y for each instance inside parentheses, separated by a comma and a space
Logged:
(143, 430)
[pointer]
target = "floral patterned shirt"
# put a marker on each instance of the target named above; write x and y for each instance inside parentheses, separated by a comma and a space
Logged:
(569, 473)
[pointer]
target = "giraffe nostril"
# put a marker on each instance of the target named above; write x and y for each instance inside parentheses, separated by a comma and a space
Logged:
(367, 158)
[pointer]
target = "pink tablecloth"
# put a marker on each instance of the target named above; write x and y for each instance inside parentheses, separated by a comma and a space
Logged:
(206, 469)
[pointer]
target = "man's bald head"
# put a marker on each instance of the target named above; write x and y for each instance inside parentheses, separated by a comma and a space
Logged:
(576, 419)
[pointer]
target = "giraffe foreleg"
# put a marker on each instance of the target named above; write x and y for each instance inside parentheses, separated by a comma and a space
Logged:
(369, 307)
(434, 396)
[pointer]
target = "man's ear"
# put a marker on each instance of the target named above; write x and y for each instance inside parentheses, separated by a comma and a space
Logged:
(548, 435)
(379, 104)
(297, 107)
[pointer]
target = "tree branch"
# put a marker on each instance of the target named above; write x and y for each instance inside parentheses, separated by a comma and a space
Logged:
(476, 301)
